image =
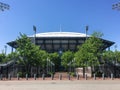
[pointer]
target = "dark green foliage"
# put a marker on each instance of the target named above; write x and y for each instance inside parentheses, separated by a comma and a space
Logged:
(66, 58)
(89, 53)
(29, 53)
(54, 57)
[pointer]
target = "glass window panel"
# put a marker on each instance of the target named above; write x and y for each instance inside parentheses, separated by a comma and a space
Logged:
(72, 41)
(80, 41)
(64, 47)
(48, 41)
(56, 47)
(48, 47)
(56, 41)
(39, 41)
(72, 46)
(64, 41)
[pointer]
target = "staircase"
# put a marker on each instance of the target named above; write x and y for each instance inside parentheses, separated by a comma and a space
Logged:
(64, 75)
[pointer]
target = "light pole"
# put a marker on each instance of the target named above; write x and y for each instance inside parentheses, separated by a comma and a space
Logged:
(5, 49)
(34, 29)
(116, 6)
(4, 6)
(86, 31)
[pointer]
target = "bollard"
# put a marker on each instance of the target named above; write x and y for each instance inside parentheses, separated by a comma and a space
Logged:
(94, 76)
(60, 76)
(43, 76)
(103, 76)
(78, 76)
(34, 76)
(9, 77)
(52, 76)
(69, 76)
(17, 76)
(85, 76)
(26, 76)
(111, 76)
(1, 77)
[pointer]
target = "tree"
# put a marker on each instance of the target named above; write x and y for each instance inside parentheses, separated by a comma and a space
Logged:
(108, 56)
(66, 58)
(89, 53)
(54, 57)
(2, 58)
(30, 54)
(117, 56)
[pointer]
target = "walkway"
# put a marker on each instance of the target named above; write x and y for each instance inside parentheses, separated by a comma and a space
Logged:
(61, 85)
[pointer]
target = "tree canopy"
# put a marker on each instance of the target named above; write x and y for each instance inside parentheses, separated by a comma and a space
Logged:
(88, 54)
(30, 54)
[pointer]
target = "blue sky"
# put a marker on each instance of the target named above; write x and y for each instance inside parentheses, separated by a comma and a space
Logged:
(48, 15)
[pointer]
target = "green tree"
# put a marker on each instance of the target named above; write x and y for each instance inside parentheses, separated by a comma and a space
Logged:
(67, 58)
(54, 57)
(108, 56)
(88, 54)
(30, 54)
(2, 58)
(117, 56)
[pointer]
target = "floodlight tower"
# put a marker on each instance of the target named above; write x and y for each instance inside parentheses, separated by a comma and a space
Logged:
(86, 31)
(4, 6)
(34, 29)
(116, 6)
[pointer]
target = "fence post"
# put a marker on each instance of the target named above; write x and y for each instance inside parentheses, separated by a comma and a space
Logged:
(17, 76)
(9, 77)
(94, 76)
(52, 76)
(78, 76)
(111, 76)
(60, 76)
(85, 76)
(43, 76)
(34, 76)
(1, 77)
(26, 76)
(69, 76)
(103, 76)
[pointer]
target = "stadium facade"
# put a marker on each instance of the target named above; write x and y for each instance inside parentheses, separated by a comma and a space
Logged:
(50, 42)
(60, 41)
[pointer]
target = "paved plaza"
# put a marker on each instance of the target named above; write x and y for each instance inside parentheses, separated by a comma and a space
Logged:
(60, 85)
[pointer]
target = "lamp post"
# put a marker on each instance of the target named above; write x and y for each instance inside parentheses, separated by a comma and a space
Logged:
(34, 29)
(4, 6)
(5, 49)
(86, 31)
(116, 6)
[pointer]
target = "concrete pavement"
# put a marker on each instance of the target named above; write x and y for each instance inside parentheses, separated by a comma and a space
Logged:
(61, 85)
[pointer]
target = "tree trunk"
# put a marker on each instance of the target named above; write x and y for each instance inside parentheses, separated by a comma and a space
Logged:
(83, 71)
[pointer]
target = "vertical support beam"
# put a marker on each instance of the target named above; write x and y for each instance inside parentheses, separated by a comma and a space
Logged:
(52, 46)
(68, 45)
